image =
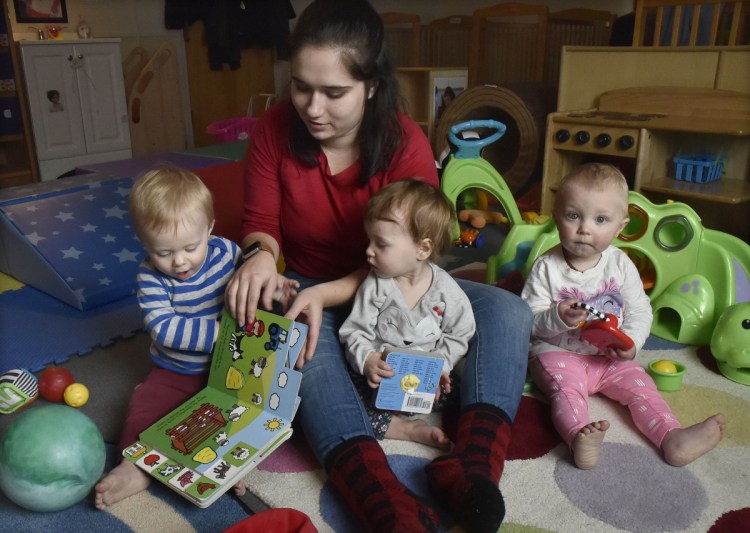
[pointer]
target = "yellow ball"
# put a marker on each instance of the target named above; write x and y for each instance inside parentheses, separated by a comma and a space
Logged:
(668, 367)
(76, 394)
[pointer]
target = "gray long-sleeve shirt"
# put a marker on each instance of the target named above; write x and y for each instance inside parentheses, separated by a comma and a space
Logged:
(442, 321)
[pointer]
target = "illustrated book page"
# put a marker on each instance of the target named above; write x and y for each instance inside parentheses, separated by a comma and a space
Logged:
(202, 448)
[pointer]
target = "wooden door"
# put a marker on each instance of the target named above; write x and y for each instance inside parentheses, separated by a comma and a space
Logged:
(218, 95)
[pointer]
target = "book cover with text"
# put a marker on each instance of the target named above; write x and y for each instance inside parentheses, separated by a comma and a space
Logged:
(413, 386)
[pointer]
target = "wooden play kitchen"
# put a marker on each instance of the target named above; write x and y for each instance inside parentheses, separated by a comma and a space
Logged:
(685, 144)
(634, 82)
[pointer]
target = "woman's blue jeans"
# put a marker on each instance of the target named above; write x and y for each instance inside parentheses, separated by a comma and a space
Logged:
(331, 409)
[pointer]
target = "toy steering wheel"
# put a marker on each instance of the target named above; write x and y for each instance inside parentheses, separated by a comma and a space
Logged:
(472, 148)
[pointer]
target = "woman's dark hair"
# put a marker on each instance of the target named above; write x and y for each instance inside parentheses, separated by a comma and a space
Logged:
(355, 30)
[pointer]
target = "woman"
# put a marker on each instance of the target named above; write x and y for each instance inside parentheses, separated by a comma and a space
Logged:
(313, 163)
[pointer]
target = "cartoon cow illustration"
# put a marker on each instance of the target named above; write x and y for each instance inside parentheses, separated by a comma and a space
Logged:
(234, 345)
(168, 470)
(222, 439)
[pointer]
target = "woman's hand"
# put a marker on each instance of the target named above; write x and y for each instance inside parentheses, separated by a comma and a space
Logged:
(286, 291)
(255, 279)
(309, 302)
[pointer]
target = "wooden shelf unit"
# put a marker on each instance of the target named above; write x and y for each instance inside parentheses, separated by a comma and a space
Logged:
(419, 86)
(17, 156)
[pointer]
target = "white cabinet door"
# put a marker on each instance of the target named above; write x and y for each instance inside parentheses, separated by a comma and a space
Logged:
(102, 93)
(77, 101)
(54, 101)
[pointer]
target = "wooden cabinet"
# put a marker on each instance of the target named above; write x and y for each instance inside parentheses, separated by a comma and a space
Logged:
(423, 89)
(77, 102)
(17, 164)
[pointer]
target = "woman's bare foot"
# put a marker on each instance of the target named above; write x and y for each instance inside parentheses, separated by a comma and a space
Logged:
(123, 481)
(417, 431)
(683, 446)
(587, 445)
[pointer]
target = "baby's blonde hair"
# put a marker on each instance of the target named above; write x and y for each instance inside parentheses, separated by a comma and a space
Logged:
(166, 197)
(427, 212)
(597, 176)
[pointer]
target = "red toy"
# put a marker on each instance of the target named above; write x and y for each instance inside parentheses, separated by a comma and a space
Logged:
(469, 237)
(53, 382)
(604, 333)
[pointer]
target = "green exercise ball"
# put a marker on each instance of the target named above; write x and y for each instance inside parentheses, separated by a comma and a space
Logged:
(50, 458)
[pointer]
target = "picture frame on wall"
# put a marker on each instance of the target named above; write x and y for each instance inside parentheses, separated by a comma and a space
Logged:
(47, 11)
(446, 89)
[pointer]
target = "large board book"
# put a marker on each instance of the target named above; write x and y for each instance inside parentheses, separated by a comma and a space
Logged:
(205, 446)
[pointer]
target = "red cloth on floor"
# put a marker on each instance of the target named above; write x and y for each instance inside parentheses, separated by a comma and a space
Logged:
(286, 520)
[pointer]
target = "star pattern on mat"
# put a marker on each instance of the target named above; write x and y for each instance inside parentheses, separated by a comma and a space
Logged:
(92, 248)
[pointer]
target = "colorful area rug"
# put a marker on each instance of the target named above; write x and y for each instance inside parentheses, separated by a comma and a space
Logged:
(632, 489)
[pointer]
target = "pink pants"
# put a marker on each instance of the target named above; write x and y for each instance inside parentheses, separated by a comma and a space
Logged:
(161, 392)
(568, 379)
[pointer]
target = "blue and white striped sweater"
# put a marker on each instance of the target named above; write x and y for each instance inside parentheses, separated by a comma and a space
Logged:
(180, 316)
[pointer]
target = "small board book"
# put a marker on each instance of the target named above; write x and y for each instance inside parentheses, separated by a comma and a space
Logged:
(413, 386)
(204, 447)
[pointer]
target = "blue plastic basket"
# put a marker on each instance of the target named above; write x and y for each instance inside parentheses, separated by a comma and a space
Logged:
(698, 168)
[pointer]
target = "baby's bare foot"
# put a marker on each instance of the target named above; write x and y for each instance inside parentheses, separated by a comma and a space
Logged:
(418, 431)
(683, 446)
(123, 481)
(240, 488)
(587, 445)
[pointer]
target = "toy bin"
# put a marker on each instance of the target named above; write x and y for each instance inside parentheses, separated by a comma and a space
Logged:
(698, 168)
(231, 129)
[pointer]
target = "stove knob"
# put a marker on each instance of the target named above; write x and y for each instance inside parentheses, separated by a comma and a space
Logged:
(603, 140)
(582, 137)
(562, 136)
(626, 142)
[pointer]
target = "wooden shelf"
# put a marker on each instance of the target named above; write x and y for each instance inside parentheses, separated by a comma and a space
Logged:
(10, 177)
(420, 86)
(728, 191)
(18, 165)
(14, 137)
